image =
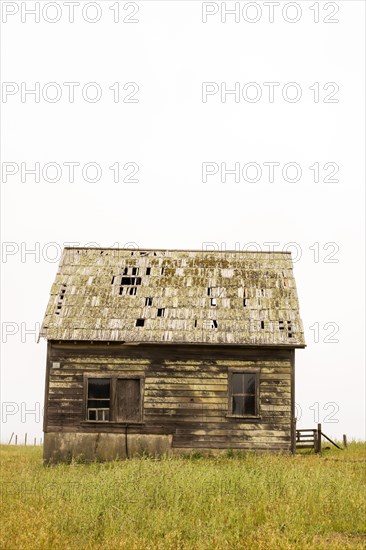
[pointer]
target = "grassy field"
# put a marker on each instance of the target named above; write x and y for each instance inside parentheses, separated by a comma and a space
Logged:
(247, 501)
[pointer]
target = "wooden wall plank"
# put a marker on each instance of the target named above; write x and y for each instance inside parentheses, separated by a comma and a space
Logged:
(186, 392)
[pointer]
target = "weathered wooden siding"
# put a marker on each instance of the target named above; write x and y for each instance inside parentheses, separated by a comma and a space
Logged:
(185, 392)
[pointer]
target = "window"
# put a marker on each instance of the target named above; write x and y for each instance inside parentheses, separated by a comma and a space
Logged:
(114, 399)
(244, 387)
(98, 406)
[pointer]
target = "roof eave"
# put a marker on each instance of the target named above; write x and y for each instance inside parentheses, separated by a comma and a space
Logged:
(164, 343)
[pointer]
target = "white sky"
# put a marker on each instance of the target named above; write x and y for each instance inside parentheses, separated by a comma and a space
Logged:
(169, 133)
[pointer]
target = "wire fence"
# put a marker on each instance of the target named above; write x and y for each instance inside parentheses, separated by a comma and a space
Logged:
(25, 440)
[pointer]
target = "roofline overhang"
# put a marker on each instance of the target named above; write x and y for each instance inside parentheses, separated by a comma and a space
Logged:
(204, 344)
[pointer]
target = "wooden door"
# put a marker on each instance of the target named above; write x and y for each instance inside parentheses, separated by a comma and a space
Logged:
(128, 398)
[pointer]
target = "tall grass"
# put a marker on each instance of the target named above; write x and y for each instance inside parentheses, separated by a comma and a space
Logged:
(237, 501)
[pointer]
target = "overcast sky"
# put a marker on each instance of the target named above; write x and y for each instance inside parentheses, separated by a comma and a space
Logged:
(148, 94)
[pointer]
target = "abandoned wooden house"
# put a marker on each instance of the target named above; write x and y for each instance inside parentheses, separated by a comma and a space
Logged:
(170, 351)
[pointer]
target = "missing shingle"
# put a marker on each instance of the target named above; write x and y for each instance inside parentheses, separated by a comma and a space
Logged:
(262, 325)
(140, 322)
(281, 325)
(60, 299)
(263, 292)
(195, 323)
(162, 271)
(161, 312)
(148, 270)
(130, 281)
(209, 291)
(213, 302)
(245, 302)
(135, 271)
(148, 301)
(125, 271)
(210, 323)
(113, 278)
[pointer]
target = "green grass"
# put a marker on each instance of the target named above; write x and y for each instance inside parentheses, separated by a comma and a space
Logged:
(236, 501)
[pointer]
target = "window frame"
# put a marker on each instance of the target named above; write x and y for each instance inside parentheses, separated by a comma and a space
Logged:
(87, 409)
(248, 370)
(113, 397)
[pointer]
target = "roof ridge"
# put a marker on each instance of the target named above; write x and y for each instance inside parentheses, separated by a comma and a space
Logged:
(176, 250)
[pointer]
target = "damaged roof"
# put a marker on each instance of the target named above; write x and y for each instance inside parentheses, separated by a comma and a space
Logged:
(178, 296)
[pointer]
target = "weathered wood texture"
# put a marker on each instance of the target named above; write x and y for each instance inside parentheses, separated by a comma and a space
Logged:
(185, 392)
(180, 296)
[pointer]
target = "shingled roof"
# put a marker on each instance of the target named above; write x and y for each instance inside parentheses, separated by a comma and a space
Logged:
(179, 296)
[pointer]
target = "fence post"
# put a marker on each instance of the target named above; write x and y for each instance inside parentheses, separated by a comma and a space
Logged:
(16, 440)
(11, 438)
(318, 439)
(345, 445)
(293, 436)
(25, 439)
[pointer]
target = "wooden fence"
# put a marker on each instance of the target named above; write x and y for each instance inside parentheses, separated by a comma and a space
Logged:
(312, 439)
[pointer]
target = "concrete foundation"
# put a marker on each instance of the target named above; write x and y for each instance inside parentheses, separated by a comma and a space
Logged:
(87, 447)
